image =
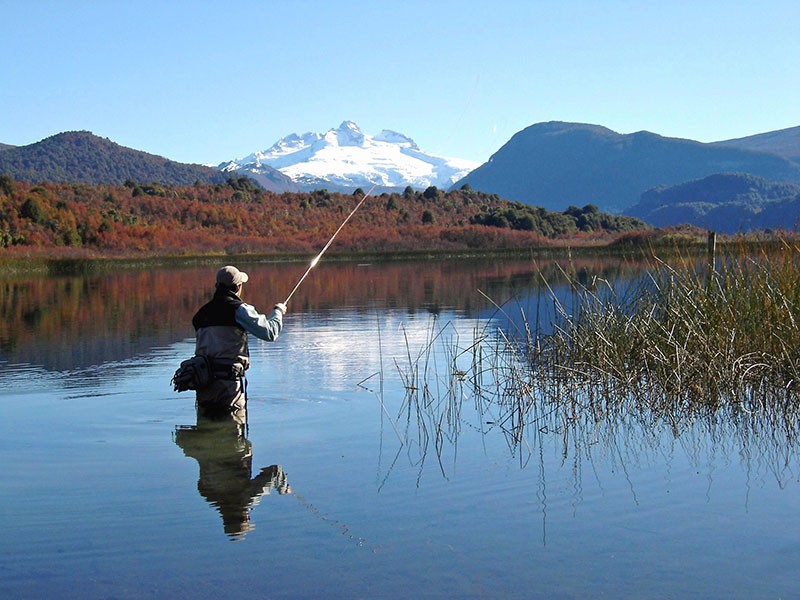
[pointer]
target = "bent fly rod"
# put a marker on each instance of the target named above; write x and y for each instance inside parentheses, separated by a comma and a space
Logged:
(330, 241)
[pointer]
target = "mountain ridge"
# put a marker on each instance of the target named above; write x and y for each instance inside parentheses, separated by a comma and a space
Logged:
(556, 164)
(784, 142)
(83, 157)
(345, 158)
(576, 163)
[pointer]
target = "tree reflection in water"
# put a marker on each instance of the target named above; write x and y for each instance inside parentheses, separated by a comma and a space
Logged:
(220, 446)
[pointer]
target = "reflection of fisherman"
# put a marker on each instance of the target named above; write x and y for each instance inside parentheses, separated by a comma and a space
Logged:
(225, 457)
(221, 327)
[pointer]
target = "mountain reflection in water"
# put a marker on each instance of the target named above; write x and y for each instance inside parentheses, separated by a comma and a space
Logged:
(71, 322)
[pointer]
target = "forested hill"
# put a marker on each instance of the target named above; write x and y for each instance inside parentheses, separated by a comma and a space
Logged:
(557, 164)
(239, 217)
(82, 157)
(728, 203)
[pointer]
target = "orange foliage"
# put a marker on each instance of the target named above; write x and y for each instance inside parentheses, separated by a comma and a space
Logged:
(84, 220)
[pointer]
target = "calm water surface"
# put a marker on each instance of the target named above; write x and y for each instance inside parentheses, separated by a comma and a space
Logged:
(345, 483)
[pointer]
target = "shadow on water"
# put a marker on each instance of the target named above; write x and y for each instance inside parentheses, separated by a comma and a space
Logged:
(224, 455)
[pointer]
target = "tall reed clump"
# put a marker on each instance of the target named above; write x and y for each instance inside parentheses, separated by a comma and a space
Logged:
(684, 336)
(683, 346)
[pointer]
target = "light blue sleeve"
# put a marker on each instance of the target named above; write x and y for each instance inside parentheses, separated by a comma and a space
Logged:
(261, 326)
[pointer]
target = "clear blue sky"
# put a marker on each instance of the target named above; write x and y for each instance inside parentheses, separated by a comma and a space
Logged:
(205, 82)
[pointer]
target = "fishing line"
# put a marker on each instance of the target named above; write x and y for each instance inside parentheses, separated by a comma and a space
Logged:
(330, 241)
(343, 527)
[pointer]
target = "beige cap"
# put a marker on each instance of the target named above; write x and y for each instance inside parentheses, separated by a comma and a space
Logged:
(231, 276)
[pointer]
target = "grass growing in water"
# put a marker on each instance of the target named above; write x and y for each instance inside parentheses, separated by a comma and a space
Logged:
(684, 333)
(683, 341)
(681, 348)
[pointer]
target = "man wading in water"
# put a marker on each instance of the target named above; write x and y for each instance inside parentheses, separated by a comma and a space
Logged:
(221, 327)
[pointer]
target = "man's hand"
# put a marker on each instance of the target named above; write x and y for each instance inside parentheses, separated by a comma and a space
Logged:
(281, 307)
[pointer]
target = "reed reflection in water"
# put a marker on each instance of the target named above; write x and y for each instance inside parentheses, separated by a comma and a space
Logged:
(681, 341)
(477, 381)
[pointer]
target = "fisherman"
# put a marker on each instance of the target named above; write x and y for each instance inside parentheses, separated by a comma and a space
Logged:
(221, 328)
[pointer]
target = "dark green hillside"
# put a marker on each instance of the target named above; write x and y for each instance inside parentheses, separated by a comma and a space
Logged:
(556, 165)
(728, 203)
(82, 157)
(589, 219)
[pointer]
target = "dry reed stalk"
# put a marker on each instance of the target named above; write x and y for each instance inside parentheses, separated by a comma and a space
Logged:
(674, 350)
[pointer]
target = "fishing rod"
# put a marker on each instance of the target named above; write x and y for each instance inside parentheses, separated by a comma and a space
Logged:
(330, 241)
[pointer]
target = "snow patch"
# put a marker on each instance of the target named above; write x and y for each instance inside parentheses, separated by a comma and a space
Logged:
(347, 158)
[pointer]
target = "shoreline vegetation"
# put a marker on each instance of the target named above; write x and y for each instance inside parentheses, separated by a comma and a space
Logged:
(708, 336)
(706, 326)
(684, 245)
(64, 228)
(685, 348)
(686, 345)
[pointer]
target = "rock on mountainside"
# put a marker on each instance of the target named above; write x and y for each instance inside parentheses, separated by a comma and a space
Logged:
(728, 203)
(82, 157)
(346, 158)
(558, 164)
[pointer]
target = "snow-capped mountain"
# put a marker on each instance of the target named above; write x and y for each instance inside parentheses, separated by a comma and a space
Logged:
(344, 159)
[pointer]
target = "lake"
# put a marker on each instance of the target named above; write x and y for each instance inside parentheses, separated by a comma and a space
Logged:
(366, 467)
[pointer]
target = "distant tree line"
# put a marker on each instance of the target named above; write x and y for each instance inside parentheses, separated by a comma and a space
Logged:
(524, 217)
(725, 202)
(239, 216)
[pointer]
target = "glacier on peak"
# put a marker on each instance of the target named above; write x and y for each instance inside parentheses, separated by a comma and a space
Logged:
(392, 137)
(350, 137)
(344, 158)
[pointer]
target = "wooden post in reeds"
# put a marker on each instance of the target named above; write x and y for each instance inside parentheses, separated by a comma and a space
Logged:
(712, 257)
